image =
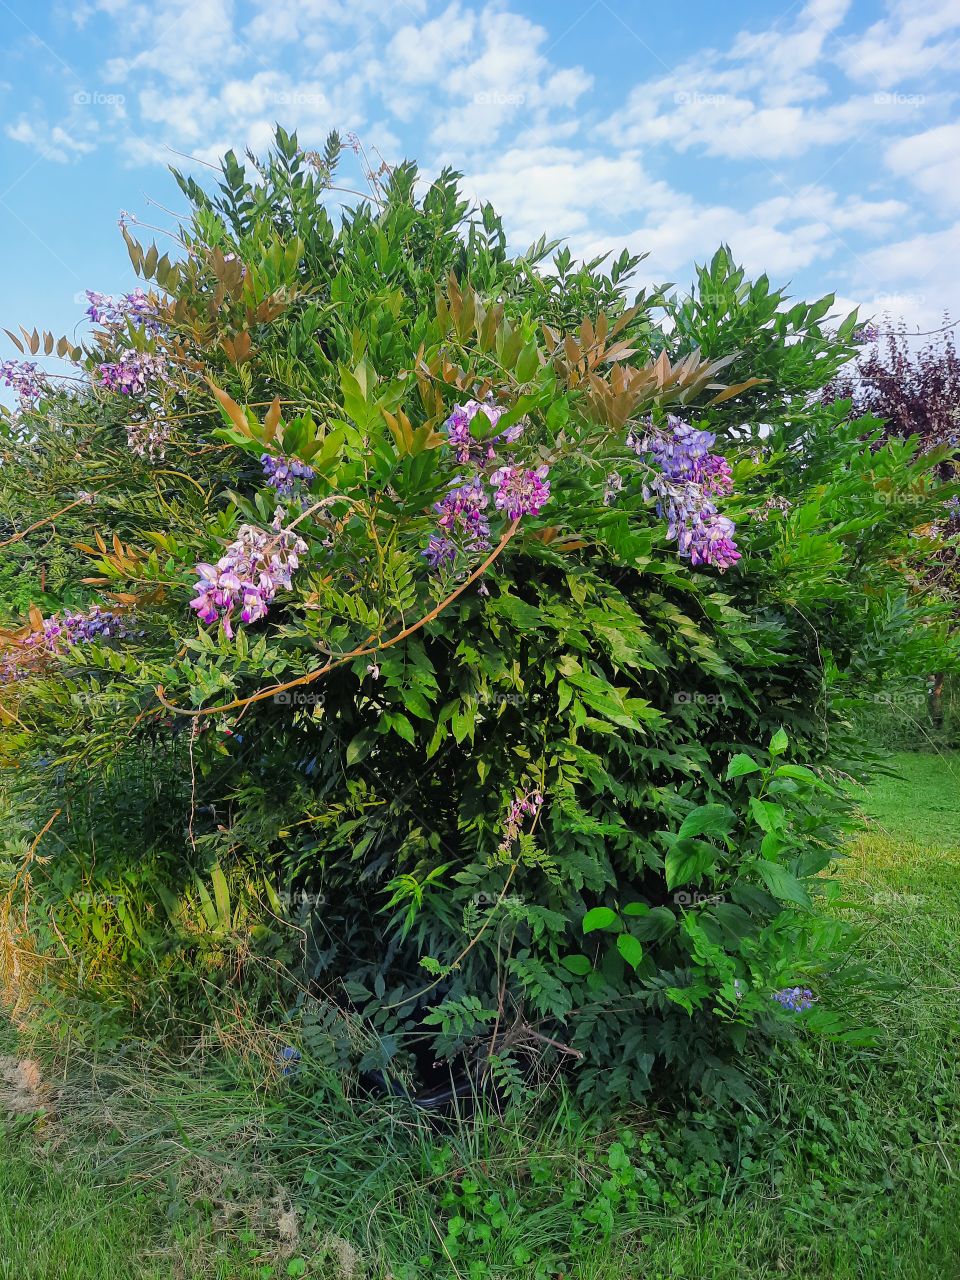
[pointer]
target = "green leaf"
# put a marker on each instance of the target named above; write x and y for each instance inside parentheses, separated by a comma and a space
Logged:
(767, 815)
(772, 845)
(800, 773)
(221, 894)
(358, 746)
(529, 362)
(401, 725)
(635, 909)
(654, 926)
(778, 743)
(599, 918)
(577, 964)
(741, 764)
(688, 860)
(782, 883)
(709, 819)
(630, 949)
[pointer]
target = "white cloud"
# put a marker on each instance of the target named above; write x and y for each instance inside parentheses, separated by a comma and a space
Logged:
(931, 160)
(184, 41)
(917, 277)
(53, 142)
(918, 37)
(422, 55)
(564, 191)
(480, 84)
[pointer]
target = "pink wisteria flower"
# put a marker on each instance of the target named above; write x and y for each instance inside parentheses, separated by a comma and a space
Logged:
(520, 491)
(247, 576)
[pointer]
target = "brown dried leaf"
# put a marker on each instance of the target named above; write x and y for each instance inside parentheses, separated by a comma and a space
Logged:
(232, 409)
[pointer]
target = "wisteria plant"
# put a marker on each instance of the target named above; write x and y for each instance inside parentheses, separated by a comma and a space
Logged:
(492, 616)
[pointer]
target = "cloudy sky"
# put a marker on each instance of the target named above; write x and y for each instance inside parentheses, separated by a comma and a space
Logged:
(819, 138)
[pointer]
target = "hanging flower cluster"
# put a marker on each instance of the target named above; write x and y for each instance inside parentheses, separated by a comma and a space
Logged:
(774, 503)
(457, 427)
(521, 492)
(148, 438)
(687, 480)
(462, 512)
(285, 474)
(526, 806)
(136, 308)
(58, 634)
(248, 575)
(796, 999)
(865, 334)
(76, 628)
(25, 378)
(95, 624)
(132, 372)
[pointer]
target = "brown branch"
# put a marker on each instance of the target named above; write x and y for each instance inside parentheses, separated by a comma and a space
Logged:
(18, 537)
(363, 651)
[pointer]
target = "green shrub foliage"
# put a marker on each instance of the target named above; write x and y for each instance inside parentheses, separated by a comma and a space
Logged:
(530, 783)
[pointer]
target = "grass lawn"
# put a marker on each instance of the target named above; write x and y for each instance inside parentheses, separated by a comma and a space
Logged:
(849, 1170)
(919, 801)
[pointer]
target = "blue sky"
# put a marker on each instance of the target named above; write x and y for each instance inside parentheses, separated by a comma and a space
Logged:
(819, 138)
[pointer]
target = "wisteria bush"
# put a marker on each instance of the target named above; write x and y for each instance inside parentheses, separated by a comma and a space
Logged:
(466, 641)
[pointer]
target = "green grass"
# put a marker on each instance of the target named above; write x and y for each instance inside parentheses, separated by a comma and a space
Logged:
(918, 801)
(865, 1142)
(55, 1223)
(847, 1168)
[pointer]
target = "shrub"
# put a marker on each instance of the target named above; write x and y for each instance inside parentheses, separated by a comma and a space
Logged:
(509, 713)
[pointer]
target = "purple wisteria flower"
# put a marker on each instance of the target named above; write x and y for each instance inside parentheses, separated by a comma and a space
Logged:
(796, 999)
(524, 806)
(520, 491)
(463, 522)
(248, 575)
(462, 512)
(114, 312)
(148, 438)
(25, 378)
(457, 427)
(132, 372)
(774, 503)
(78, 628)
(688, 476)
(709, 540)
(288, 1060)
(440, 551)
(865, 334)
(285, 474)
(715, 476)
(95, 624)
